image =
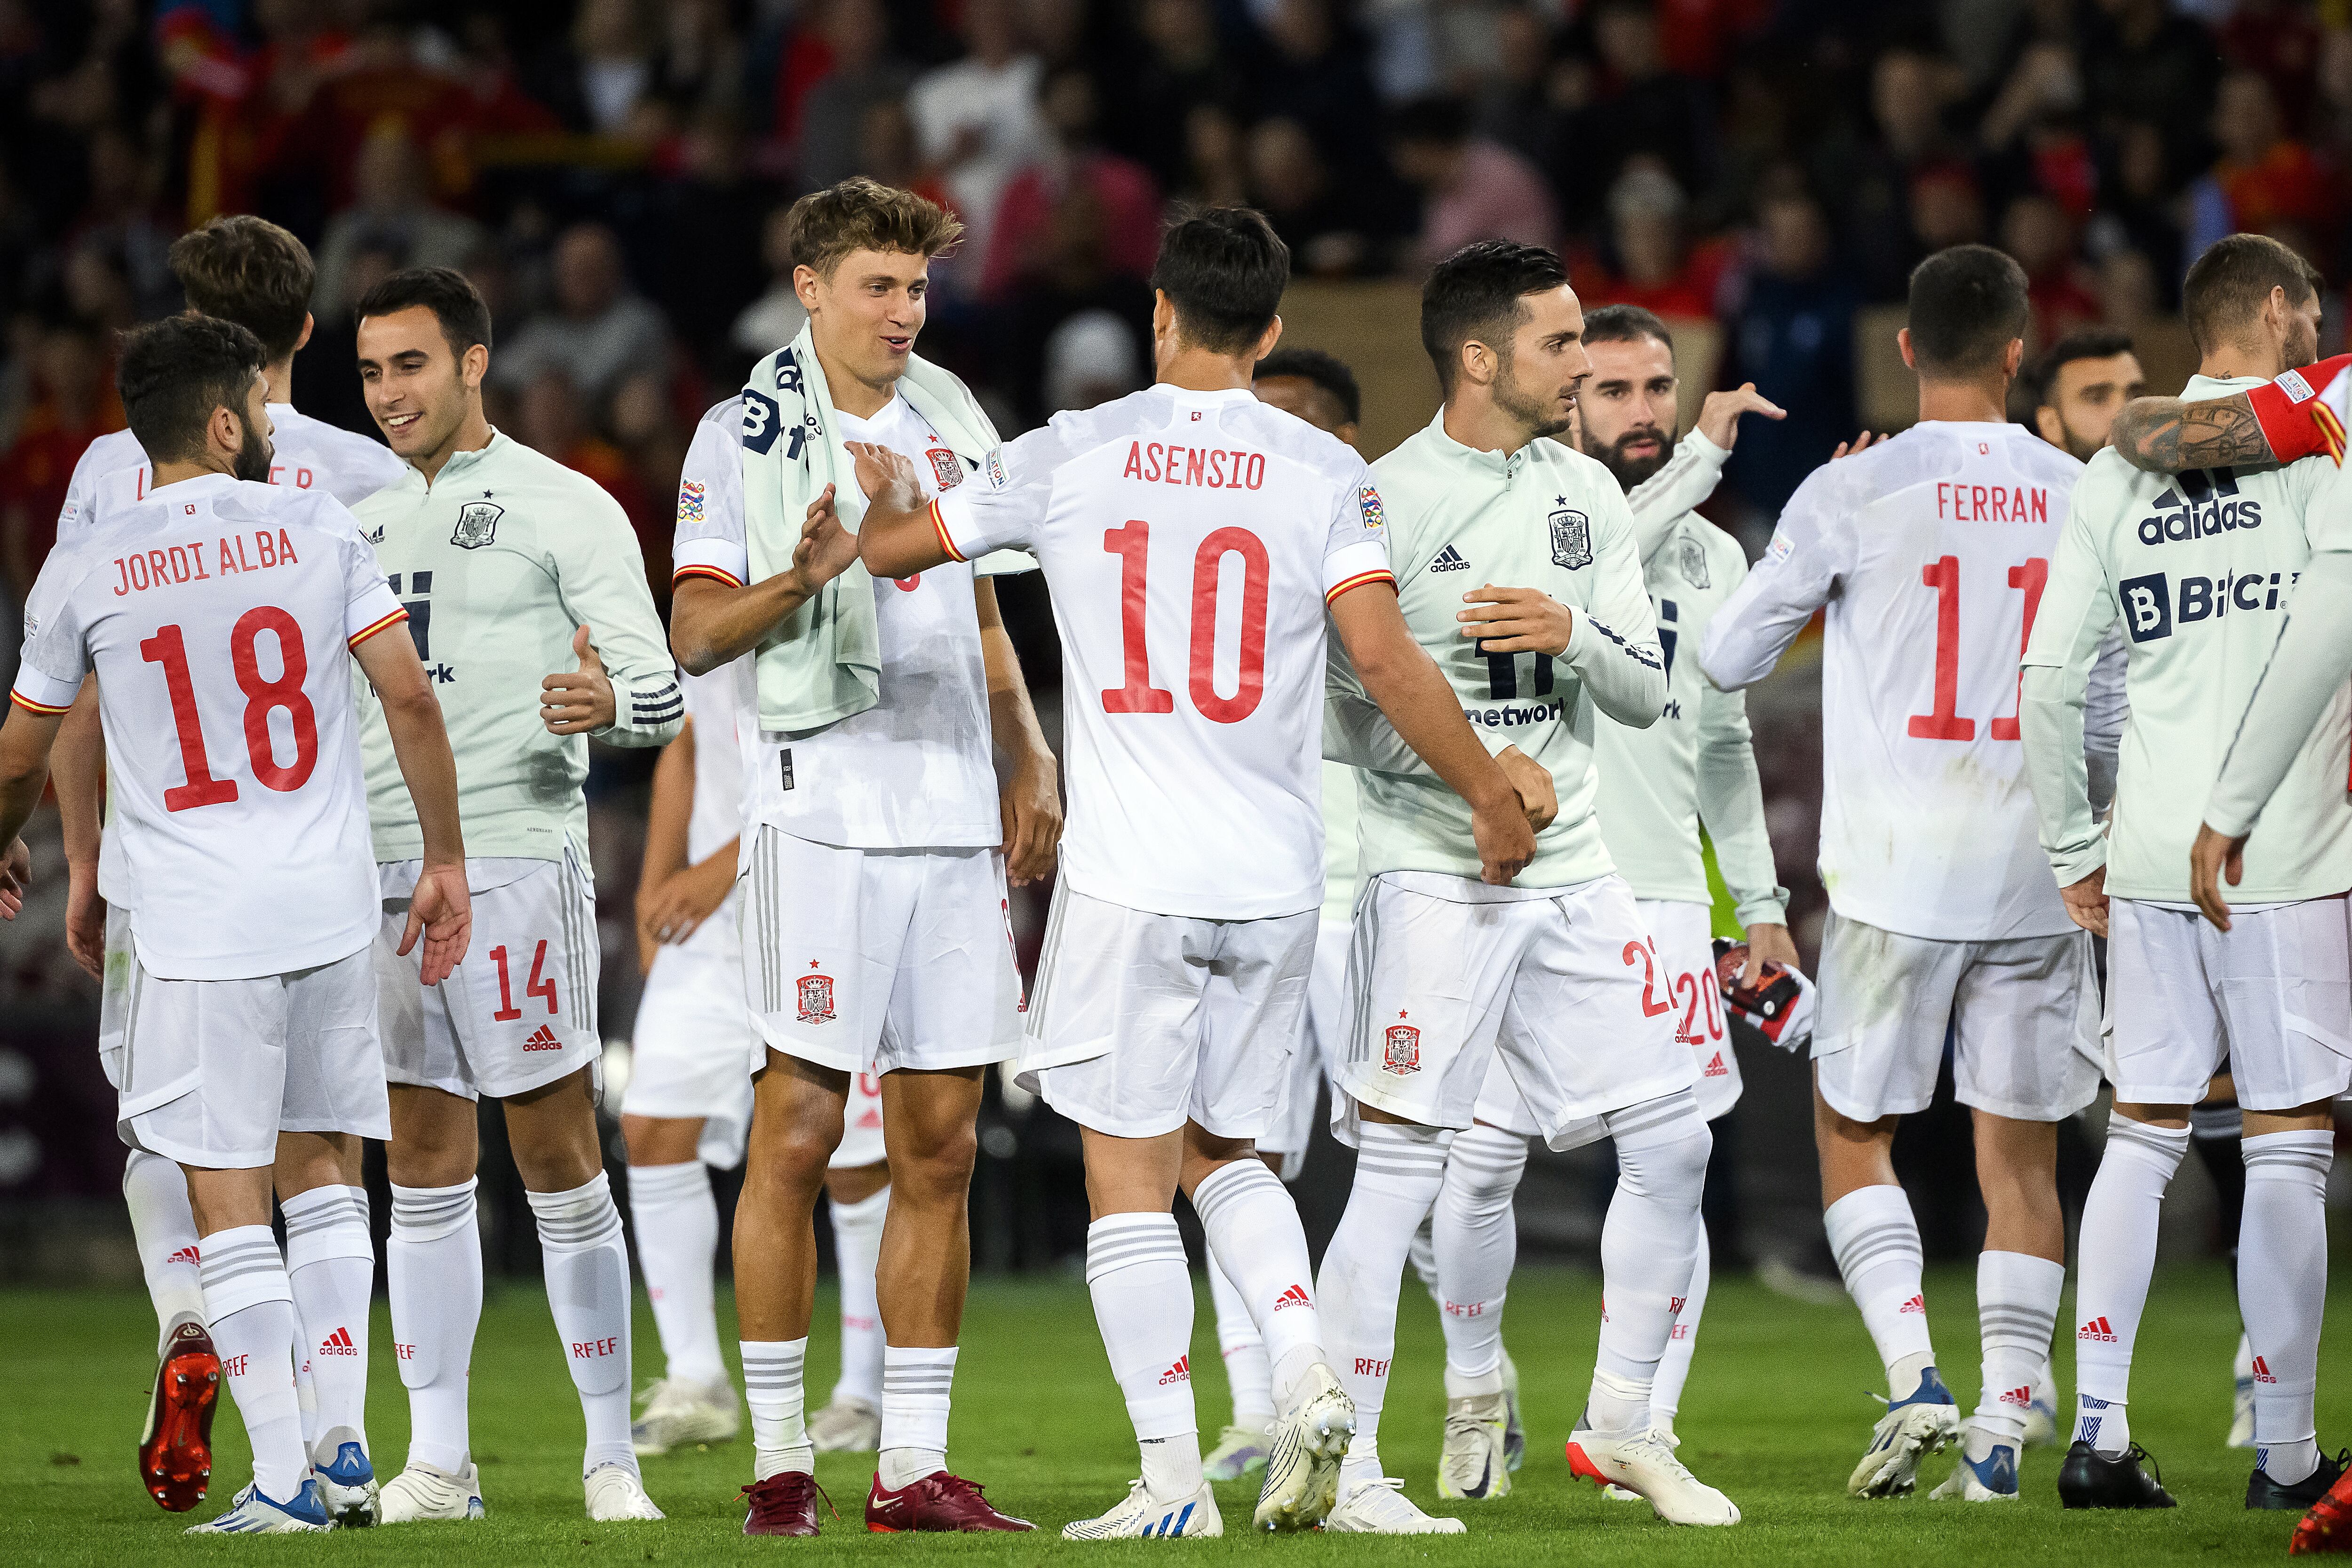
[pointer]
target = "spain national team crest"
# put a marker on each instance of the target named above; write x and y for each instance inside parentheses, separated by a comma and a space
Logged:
(1694, 562)
(478, 525)
(1402, 1054)
(1571, 540)
(816, 998)
(945, 468)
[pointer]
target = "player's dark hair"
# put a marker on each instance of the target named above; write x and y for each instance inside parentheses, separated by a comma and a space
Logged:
(2227, 287)
(2090, 344)
(1626, 324)
(1968, 304)
(1325, 370)
(1475, 295)
(247, 270)
(449, 294)
(173, 373)
(1224, 269)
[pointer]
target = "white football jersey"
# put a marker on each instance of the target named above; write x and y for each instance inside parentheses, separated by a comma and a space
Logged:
(1191, 541)
(1928, 552)
(217, 616)
(715, 818)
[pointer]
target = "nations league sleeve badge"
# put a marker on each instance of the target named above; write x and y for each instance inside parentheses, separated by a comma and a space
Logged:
(1571, 540)
(478, 525)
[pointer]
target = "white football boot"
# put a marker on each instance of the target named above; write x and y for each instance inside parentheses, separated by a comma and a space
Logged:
(346, 1480)
(1240, 1449)
(1380, 1507)
(616, 1492)
(250, 1513)
(1135, 1516)
(1474, 1463)
(681, 1414)
(1924, 1423)
(421, 1492)
(1302, 1466)
(1664, 1432)
(1515, 1431)
(1646, 1463)
(846, 1427)
(2042, 1411)
(1987, 1472)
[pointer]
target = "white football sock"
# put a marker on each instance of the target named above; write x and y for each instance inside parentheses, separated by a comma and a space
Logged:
(1143, 1303)
(916, 1384)
(587, 1267)
(677, 1223)
(857, 1253)
(1673, 1367)
(1876, 1243)
(773, 1392)
(2282, 1291)
(2017, 1309)
(1253, 1231)
(331, 1259)
(1476, 1242)
(1648, 1245)
(249, 1308)
(433, 1265)
(1247, 1371)
(1398, 1169)
(1421, 1257)
(165, 1228)
(2114, 1260)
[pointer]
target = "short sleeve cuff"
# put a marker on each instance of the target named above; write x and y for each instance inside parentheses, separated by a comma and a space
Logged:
(45, 695)
(721, 560)
(372, 611)
(1353, 566)
(951, 521)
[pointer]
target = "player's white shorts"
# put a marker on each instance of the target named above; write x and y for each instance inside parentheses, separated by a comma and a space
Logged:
(2028, 1022)
(695, 1042)
(520, 1010)
(1683, 933)
(1145, 1021)
(114, 992)
(861, 1125)
(213, 1070)
(880, 958)
(1321, 1049)
(2272, 995)
(1565, 990)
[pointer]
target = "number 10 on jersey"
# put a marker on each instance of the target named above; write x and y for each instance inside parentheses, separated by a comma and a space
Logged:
(1132, 545)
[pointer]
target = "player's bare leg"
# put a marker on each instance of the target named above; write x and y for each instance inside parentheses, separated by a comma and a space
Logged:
(1876, 1243)
(330, 1260)
(678, 1236)
(851, 1421)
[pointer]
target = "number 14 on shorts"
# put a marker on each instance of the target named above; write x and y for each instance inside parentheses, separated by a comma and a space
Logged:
(541, 984)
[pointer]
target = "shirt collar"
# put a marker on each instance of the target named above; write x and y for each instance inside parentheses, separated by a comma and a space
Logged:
(1476, 460)
(202, 484)
(1209, 399)
(461, 461)
(2202, 387)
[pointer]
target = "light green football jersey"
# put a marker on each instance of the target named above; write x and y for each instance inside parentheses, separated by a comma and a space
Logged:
(2198, 569)
(499, 560)
(1542, 518)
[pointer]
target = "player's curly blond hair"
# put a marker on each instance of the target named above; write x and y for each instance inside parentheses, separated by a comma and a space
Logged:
(860, 214)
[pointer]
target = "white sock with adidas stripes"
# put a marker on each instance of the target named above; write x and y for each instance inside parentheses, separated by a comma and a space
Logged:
(2017, 1309)
(432, 1266)
(331, 1260)
(1248, 1373)
(1142, 1292)
(2282, 1291)
(1253, 1231)
(1876, 1240)
(1648, 1245)
(165, 1228)
(249, 1308)
(1477, 1240)
(2112, 1261)
(677, 1224)
(587, 1268)
(1399, 1168)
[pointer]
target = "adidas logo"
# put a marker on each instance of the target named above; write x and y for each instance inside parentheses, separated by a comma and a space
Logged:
(1716, 1068)
(338, 1343)
(1296, 1296)
(2263, 1371)
(2020, 1398)
(542, 1038)
(1179, 1373)
(871, 1119)
(1915, 1304)
(187, 1255)
(2097, 1328)
(1449, 559)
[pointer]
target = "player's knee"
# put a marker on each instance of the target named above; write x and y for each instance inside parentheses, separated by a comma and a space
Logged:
(1662, 1148)
(787, 1159)
(933, 1162)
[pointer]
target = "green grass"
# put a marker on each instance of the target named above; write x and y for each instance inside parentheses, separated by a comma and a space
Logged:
(1775, 1416)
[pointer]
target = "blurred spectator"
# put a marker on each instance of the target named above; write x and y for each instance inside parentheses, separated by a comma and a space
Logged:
(2283, 41)
(394, 214)
(1216, 159)
(2039, 233)
(977, 122)
(1655, 266)
(2143, 60)
(1070, 275)
(1512, 104)
(552, 417)
(2263, 177)
(1642, 106)
(774, 319)
(864, 74)
(1471, 188)
(700, 252)
(2138, 211)
(597, 75)
(597, 332)
(1946, 209)
(120, 216)
(1289, 183)
(1090, 359)
(1122, 190)
(1180, 74)
(1312, 73)
(72, 404)
(652, 438)
(1793, 334)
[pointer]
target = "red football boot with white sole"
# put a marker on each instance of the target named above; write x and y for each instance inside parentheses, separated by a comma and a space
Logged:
(175, 1452)
(938, 1501)
(2328, 1526)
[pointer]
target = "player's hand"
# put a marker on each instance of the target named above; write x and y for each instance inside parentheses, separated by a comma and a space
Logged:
(1861, 443)
(2086, 903)
(1767, 943)
(826, 548)
(576, 703)
(1516, 620)
(1031, 802)
(1718, 417)
(442, 911)
(888, 476)
(16, 876)
(2213, 859)
(1505, 842)
(1538, 797)
(86, 920)
(673, 909)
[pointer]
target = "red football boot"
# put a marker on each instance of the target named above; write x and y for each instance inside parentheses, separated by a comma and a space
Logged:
(2328, 1526)
(938, 1501)
(784, 1504)
(175, 1452)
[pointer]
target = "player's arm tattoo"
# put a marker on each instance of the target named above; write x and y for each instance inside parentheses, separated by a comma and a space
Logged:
(2165, 435)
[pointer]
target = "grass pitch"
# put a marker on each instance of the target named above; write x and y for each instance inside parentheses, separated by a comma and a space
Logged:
(1775, 1416)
